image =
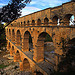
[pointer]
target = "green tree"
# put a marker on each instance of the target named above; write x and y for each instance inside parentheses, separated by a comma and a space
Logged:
(67, 64)
(9, 13)
(12, 11)
(2, 37)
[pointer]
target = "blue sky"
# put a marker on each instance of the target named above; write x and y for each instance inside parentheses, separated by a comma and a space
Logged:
(37, 5)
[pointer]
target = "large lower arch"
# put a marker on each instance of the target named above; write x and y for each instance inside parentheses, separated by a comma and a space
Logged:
(12, 51)
(27, 41)
(18, 38)
(17, 57)
(9, 34)
(40, 51)
(13, 35)
(26, 65)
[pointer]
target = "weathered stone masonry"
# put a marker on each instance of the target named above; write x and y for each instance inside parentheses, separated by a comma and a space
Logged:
(37, 24)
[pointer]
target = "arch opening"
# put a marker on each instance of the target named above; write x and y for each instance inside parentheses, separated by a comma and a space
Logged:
(28, 22)
(69, 19)
(28, 45)
(13, 36)
(17, 57)
(9, 34)
(17, 51)
(38, 22)
(12, 51)
(24, 23)
(45, 47)
(12, 47)
(21, 23)
(26, 65)
(18, 39)
(46, 21)
(33, 22)
(55, 20)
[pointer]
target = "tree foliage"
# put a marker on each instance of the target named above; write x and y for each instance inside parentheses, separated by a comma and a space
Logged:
(67, 65)
(9, 13)
(12, 11)
(2, 37)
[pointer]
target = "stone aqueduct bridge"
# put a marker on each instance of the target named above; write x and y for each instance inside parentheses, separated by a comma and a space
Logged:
(37, 25)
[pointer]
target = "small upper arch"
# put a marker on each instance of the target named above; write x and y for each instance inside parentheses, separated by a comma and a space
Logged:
(18, 32)
(33, 22)
(28, 22)
(46, 21)
(17, 51)
(38, 22)
(9, 31)
(68, 19)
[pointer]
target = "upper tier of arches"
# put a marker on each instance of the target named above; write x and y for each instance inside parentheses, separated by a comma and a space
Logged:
(62, 15)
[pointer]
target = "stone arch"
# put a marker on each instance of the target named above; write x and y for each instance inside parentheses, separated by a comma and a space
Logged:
(33, 22)
(17, 57)
(55, 20)
(27, 41)
(26, 65)
(46, 20)
(9, 34)
(38, 22)
(21, 23)
(12, 51)
(18, 39)
(13, 35)
(28, 22)
(67, 19)
(40, 46)
(24, 23)
(12, 47)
